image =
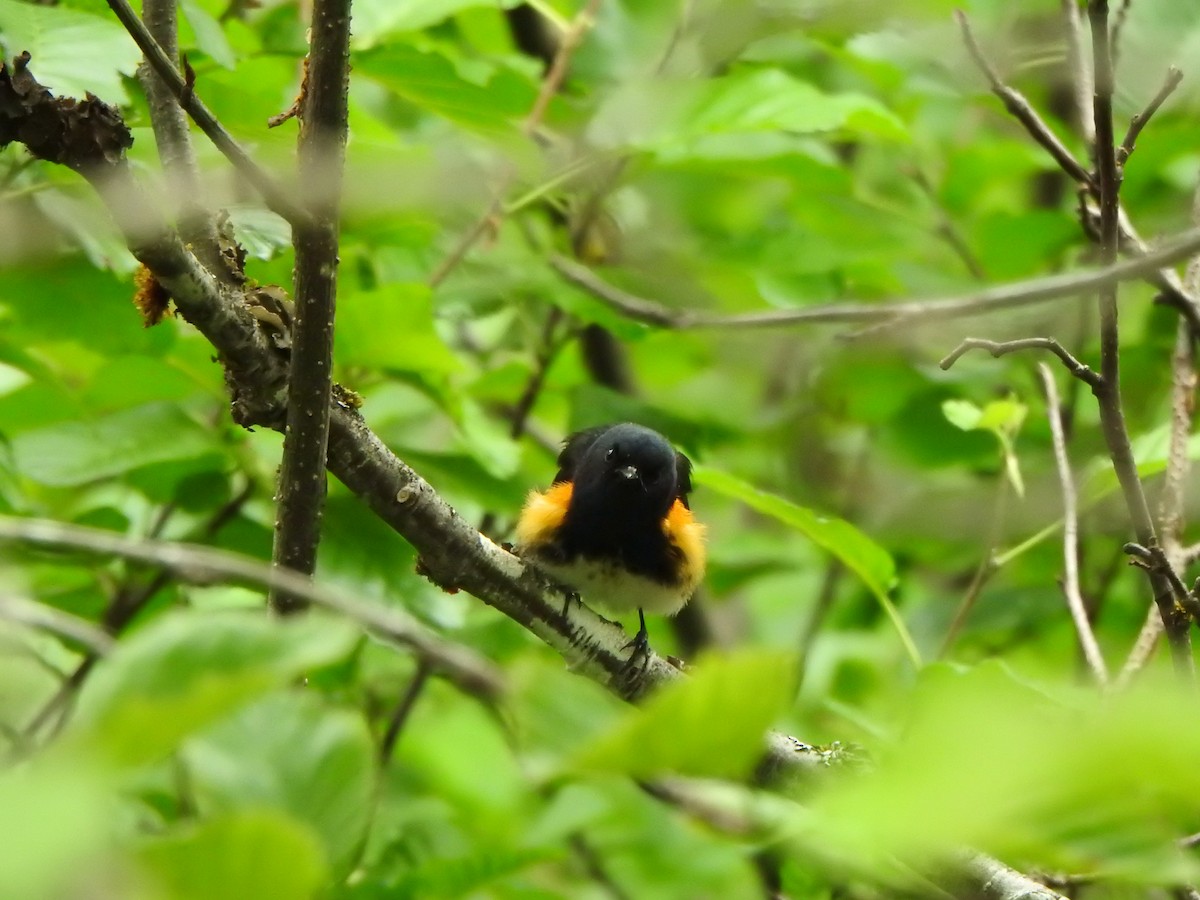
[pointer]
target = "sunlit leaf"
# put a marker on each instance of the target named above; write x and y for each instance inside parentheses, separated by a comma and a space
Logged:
(710, 723)
(186, 671)
(242, 856)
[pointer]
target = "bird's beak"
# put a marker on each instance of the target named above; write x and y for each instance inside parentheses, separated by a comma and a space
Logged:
(629, 473)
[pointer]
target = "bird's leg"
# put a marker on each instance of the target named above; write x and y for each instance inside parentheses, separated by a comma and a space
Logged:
(570, 597)
(640, 644)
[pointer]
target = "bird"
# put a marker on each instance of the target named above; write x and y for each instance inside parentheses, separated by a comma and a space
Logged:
(615, 526)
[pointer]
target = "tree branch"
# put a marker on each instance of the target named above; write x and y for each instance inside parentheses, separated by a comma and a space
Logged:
(200, 564)
(1020, 108)
(400, 715)
(1108, 395)
(1079, 615)
(323, 125)
(1139, 121)
(1002, 348)
(170, 125)
(274, 195)
(1166, 280)
(553, 80)
(1171, 510)
(1081, 72)
(896, 312)
(46, 618)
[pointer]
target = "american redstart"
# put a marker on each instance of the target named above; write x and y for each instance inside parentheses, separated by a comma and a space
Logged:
(615, 524)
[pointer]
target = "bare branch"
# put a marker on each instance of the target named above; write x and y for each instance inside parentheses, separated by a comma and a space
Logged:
(196, 224)
(400, 715)
(46, 618)
(1108, 393)
(1037, 129)
(323, 125)
(1083, 627)
(1171, 508)
(1018, 293)
(1021, 109)
(491, 217)
(201, 564)
(1002, 348)
(1081, 71)
(274, 195)
(1139, 121)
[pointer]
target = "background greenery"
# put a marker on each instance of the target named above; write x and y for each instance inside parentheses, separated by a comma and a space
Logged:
(771, 155)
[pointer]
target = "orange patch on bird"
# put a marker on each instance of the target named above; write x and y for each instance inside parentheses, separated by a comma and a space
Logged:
(685, 533)
(543, 515)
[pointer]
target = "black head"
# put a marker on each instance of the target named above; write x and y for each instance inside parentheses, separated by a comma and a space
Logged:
(626, 466)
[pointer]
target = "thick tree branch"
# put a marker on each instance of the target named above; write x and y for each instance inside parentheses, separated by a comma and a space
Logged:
(323, 125)
(1079, 615)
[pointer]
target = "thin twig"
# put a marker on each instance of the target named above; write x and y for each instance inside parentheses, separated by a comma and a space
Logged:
(37, 615)
(322, 146)
(196, 223)
(1130, 243)
(201, 564)
(1118, 28)
(1007, 296)
(555, 75)
(1020, 108)
(400, 715)
(1002, 348)
(1081, 71)
(275, 196)
(1171, 507)
(1139, 121)
(126, 603)
(986, 568)
(1079, 615)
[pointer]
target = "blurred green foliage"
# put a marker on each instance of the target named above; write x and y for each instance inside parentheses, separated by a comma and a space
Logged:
(743, 156)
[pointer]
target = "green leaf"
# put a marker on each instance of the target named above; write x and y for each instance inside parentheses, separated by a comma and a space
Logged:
(292, 753)
(76, 452)
(1002, 418)
(210, 37)
(73, 52)
(187, 670)
(392, 328)
(680, 118)
(861, 555)
(246, 856)
(709, 724)
(491, 104)
(378, 19)
(962, 414)
(54, 817)
(1074, 781)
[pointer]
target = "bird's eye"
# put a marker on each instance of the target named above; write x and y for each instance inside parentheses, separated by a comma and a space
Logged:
(611, 454)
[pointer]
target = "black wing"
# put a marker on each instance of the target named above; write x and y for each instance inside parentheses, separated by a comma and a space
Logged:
(683, 478)
(574, 448)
